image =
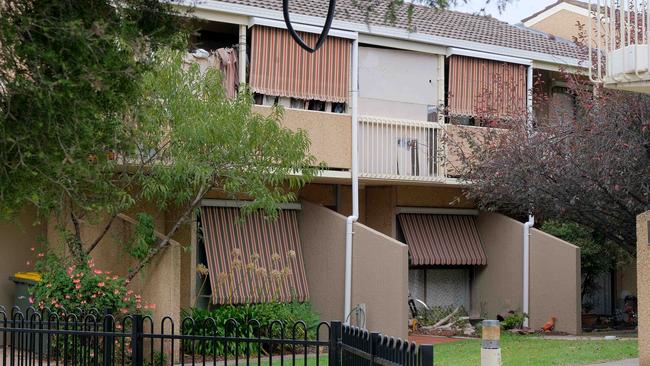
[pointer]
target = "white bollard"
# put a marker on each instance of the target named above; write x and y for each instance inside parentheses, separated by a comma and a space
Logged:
(490, 343)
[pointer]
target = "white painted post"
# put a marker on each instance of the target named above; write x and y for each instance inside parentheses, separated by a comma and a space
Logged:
(490, 343)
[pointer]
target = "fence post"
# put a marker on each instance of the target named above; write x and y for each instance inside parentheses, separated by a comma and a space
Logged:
(137, 351)
(108, 340)
(374, 346)
(335, 337)
(426, 355)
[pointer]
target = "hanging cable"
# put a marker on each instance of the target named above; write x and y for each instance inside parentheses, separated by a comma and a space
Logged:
(323, 34)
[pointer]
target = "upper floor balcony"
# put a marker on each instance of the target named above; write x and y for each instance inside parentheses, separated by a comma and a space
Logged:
(398, 150)
(621, 30)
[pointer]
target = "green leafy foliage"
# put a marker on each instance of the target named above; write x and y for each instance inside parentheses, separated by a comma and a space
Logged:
(69, 71)
(143, 237)
(98, 113)
(514, 320)
(82, 287)
(249, 320)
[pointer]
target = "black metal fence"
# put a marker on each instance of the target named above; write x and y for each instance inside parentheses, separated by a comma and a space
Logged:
(36, 338)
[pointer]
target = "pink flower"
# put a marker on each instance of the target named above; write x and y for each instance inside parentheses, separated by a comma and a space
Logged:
(41, 255)
(67, 296)
(115, 277)
(129, 292)
(101, 284)
(116, 292)
(138, 306)
(31, 300)
(77, 286)
(76, 280)
(83, 302)
(32, 249)
(98, 271)
(124, 310)
(152, 306)
(108, 272)
(94, 296)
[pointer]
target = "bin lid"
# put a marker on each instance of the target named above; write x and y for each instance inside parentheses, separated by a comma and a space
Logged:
(26, 277)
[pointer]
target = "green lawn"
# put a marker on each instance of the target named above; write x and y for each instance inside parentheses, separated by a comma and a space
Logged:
(516, 351)
(535, 351)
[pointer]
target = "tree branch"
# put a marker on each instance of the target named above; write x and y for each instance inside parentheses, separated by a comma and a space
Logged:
(101, 235)
(167, 239)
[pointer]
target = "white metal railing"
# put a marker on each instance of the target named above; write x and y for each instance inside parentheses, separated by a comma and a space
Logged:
(618, 41)
(393, 149)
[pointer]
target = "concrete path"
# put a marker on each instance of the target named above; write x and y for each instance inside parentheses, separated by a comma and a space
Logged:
(630, 362)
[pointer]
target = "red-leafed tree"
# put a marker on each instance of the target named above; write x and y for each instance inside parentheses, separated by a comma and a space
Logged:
(589, 165)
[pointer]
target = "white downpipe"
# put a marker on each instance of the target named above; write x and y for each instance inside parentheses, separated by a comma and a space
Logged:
(529, 97)
(527, 226)
(354, 91)
(242, 54)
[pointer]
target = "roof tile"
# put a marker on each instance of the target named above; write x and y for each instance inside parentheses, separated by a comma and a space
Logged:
(427, 20)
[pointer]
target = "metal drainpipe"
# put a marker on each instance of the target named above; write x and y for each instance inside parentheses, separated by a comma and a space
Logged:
(529, 97)
(354, 91)
(242, 54)
(531, 219)
(527, 226)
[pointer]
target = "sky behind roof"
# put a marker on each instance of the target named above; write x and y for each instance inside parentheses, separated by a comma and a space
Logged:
(514, 12)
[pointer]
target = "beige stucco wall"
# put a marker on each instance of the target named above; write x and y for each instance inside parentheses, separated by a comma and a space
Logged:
(330, 133)
(380, 211)
(564, 24)
(561, 24)
(17, 236)
(643, 285)
(554, 282)
(386, 89)
(382, 288)
(160, 282)
(554, 275)
(380, 280)
(497, 287)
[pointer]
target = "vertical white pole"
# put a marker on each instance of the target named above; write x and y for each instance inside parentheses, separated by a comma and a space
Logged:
(526, 271)
(242, 54)
(355, 184)
(529, 97)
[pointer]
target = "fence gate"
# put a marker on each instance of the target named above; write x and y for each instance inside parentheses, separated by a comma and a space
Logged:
(363, 348)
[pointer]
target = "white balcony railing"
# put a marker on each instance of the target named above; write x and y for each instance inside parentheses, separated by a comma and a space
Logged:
(618, 43)
(391, 149)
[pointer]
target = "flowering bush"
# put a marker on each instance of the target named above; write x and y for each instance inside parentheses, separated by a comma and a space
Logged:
(65, 285)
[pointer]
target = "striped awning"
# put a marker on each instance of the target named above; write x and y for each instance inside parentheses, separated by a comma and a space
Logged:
(485, 88)
(252, 259)
(442, 240)
(279, 66)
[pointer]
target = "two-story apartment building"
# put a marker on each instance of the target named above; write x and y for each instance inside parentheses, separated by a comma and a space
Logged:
(388, 216)
(378, 101)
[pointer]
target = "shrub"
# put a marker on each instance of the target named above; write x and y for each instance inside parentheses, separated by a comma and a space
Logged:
(82, 287)
(514, 320)
(242, 320)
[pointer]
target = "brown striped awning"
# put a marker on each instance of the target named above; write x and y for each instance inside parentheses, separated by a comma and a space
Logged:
(279, 66)
(442, 240)
(486, 88)
(253, 259)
